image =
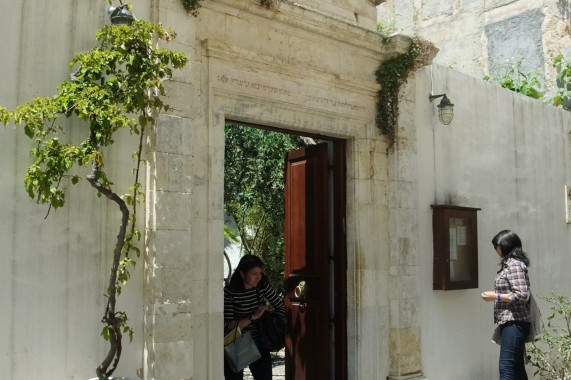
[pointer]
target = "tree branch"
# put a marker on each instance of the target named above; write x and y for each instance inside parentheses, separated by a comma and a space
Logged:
(110, 318)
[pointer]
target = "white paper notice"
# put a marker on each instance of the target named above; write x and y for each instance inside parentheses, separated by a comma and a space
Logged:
(461, 239)
(453, 255)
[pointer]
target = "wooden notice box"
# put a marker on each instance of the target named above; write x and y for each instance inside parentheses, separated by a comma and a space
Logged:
(455, 237)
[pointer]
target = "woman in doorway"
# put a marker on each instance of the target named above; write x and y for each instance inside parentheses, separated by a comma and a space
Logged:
(246, 298)
(511, 304)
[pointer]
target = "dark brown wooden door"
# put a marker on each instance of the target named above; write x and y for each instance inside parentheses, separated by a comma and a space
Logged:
(306, 228)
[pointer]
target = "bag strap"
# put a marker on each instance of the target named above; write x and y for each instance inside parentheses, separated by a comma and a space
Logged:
(264, 303)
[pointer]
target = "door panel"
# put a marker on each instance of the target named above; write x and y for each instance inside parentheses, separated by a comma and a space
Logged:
(306, 234)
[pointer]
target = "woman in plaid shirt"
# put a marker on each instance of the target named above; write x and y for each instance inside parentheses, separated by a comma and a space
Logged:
(511, 304)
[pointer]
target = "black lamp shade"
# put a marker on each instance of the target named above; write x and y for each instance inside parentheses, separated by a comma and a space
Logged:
(445, 111)
(121, 15)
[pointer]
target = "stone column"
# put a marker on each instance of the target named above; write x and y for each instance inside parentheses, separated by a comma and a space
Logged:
(405, 349)
(169, 263)
(368, 255)
(183, 273)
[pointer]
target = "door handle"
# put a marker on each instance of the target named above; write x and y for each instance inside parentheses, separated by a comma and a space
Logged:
(300, 290)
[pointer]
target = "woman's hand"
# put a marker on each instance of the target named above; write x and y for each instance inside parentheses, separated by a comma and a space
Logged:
(259, 311)
(489, 296)
(242, 323)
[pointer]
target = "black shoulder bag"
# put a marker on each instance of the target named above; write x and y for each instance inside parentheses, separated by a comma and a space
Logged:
(271, 330)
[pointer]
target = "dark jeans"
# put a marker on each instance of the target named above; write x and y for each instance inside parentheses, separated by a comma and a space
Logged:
(261, 369)
(512, 350)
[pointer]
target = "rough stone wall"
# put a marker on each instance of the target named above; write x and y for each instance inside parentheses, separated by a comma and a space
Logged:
(477, 37)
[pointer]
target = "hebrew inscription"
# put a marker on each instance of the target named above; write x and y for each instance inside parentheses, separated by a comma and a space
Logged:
(304, 94)
(254, 85)
(333, 103)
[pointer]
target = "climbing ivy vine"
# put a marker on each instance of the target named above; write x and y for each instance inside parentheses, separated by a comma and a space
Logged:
(192, 6)
(391, 75)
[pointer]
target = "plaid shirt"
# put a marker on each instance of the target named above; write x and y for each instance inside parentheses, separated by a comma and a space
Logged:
(512, 279)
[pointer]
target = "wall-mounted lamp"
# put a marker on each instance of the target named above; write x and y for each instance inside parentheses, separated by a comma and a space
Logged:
(121, 15)
(445, 108)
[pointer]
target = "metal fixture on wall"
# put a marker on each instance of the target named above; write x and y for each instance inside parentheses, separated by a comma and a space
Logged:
(121, 15)
(445, 108)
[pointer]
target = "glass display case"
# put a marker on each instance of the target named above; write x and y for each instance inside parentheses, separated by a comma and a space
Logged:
(455, 239)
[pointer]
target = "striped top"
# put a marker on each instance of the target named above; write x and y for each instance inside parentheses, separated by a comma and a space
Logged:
(242, 304)
(512, 279)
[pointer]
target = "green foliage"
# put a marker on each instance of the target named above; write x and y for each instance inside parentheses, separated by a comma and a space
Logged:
(4, 115)
(563, 95)
(123, 75)
(230, 234)
(191, 6)
(268, 3)
(551, 353)
(515, 80)
(117, 85)
(391, 75)
(253, 192)
(529, 84)
(386, 28)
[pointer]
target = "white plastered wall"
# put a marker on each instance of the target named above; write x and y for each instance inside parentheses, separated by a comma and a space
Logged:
(509, 155)
(54, 271)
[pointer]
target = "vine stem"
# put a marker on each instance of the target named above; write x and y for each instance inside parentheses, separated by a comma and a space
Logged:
(110, 317)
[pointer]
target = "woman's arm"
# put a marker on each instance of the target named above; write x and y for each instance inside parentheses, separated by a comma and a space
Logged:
(493, 296)
(516, 277)
(230, 319)
(275, 300)
(242, 323)
(518, 280)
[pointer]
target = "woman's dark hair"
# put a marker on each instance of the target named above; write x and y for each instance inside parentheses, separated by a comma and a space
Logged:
(510, 246)
(247, 263)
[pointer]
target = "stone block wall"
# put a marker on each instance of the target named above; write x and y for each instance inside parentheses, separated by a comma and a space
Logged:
(479, 37)
(298, 69)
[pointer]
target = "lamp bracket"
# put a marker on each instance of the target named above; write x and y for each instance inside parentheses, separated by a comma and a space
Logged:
(432, 97)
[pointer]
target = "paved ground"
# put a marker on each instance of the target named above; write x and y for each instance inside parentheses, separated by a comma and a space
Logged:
(278, 371)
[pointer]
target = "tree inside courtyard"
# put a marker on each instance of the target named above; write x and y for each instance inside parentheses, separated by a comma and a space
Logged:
(254, 192)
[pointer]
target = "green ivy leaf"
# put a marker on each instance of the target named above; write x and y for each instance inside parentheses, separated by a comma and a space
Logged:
(105, 333)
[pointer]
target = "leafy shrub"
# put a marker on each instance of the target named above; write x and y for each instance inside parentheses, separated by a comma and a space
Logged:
(551, 352)
(515, 80)
(563, 95)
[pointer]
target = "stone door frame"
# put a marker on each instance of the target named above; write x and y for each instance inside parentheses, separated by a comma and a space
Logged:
(183, 297)
(235, 94)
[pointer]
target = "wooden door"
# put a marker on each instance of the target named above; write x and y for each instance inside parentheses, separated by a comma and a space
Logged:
(307, 255)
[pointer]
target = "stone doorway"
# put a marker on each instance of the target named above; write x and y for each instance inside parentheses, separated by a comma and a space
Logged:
(328, 312)
(252, 88)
